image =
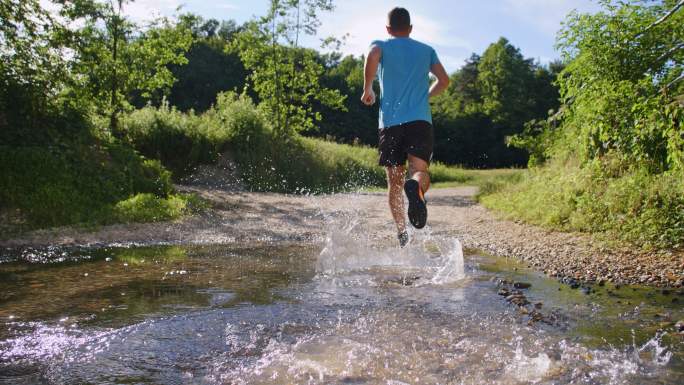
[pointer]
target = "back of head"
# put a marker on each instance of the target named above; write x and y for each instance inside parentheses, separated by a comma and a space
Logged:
(398, 19)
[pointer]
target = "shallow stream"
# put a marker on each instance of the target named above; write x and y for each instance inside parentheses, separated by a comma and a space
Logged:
(344, 312)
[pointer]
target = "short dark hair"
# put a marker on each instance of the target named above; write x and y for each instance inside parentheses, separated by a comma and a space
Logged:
(398, 19)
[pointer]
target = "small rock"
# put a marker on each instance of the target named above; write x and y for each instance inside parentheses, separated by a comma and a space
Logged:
(538, 305)
(522, 285)
(679, 326)
(520, 301)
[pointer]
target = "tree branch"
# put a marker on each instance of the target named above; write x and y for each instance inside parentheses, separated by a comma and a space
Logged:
(671, 12)
(670, 84)
(671, 51)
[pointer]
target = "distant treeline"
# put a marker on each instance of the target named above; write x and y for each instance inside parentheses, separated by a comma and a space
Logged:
(490, 97)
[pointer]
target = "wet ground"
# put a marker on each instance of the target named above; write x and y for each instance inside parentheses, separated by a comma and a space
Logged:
(345, 312)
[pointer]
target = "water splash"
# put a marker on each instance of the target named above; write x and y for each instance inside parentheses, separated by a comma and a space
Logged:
(436, 260)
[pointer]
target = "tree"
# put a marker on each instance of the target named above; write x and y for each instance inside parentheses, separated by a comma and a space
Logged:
(28, 53)
(114, 57)
(622, 86)
(504, 78)
(356, 123)
(213, 65)
(489, 99)
(285, 76)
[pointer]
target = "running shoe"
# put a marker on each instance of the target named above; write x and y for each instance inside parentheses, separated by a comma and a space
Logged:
(417, 209)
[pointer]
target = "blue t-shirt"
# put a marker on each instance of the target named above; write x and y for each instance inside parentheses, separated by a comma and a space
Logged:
(404, 80)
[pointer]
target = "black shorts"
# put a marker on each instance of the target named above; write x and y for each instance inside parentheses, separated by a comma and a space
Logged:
(396, 142)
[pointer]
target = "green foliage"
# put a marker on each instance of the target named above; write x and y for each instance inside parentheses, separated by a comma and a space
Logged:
(284, 76)
(28, 57)
(267, 161)
(615, 148)
(148, 207)
(213, 65)
(51, 187)
(620, 85)
(177, 139)
(504, 76)
(627, 205)
(115, 58)
(489, 99)
(356, 122)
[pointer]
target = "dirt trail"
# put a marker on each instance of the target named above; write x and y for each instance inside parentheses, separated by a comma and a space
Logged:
(268, 217)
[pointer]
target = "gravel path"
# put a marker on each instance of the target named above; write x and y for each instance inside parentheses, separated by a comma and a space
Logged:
(266, 217)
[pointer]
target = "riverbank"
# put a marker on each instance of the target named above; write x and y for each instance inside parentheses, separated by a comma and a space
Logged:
(268, 217)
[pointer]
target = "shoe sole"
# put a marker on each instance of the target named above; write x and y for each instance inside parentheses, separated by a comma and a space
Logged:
(417, 210)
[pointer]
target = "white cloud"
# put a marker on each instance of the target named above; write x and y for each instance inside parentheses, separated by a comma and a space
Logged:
(228, 6)
(545, 15)
(365, 22)
(452, 62)
(145, 10)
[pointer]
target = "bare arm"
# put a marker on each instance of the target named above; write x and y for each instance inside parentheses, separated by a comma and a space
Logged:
(442, 79)
(369, 70)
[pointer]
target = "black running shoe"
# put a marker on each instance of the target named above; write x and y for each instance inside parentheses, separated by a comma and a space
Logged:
(403, 238)
(417, 210)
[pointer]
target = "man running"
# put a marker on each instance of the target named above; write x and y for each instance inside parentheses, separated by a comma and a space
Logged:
(405, 121)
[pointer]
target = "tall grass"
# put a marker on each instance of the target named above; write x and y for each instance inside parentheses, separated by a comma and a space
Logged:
(267, 162)
(628, 205)
(51, 187)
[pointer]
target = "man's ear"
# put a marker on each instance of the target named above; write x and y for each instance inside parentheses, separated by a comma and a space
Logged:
(389, 29)
(410, 28)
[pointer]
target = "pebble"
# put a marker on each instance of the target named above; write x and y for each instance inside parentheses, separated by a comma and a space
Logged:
(522, 285)
(679, 326)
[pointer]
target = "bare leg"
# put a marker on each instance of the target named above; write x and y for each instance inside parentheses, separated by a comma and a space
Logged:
(395, 184)
(418, 170)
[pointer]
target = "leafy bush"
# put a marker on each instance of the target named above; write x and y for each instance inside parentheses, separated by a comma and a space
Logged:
(615, 159)
(266, 160)
(175, 138)
(51, 187)
(629, 205)
(148, 207)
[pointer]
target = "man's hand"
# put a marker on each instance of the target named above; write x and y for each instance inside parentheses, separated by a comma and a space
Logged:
(369, 70)
(442, 79)
(368, 97)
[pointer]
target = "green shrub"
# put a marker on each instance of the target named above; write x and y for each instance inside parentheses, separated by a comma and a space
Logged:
(630, 205)
(176, 139)
(148, 207)
(440, 172)
(266, 161)
(53, 187)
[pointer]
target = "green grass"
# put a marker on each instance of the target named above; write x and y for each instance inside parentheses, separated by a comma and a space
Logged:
(474, 177)
(148, 207)
(619, 206)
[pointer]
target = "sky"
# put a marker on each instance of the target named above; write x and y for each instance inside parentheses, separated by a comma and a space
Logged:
(455, 28)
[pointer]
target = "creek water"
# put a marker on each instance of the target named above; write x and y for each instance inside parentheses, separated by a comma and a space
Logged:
(347, 311)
